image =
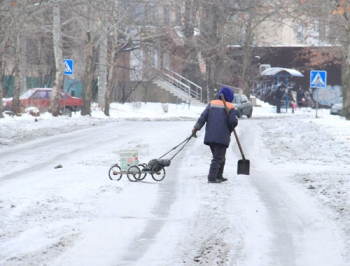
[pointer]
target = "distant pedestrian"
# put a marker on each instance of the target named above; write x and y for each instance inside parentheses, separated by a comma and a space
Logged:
(300, 97)
(278, 96)
(286, 99)
(219, 126)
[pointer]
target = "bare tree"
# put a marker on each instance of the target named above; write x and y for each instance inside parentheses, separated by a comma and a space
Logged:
(210, 31)
(326, 24)
(13, 16)
(57, 45)
(88, 76)
(109, 21)
(1, 87)
(341, 17)
(211, 41)
(3, 42)
(6, 28)
(10, 19)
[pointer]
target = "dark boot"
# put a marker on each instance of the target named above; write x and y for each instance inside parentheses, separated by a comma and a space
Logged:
(214, 181)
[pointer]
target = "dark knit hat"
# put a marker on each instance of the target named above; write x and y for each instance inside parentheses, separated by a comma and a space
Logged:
(228, 94)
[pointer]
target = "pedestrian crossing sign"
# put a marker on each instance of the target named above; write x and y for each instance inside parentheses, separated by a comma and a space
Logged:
(318, 79)
(68, 66)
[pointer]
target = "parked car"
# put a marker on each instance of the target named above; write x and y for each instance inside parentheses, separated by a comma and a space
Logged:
(242, 105)
(337, 107)
(40, 98)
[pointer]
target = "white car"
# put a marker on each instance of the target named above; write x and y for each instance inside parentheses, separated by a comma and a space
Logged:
(337, 107)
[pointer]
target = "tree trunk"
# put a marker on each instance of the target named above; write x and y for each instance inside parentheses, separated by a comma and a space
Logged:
(110, 77)
(57, 46)
(211, 83)
(1, 88)
(346, 80)
(247, 55)
(246, 70)
(16, 106)
(108, 96)
(102, 71)
(23, 63)
(88, 76)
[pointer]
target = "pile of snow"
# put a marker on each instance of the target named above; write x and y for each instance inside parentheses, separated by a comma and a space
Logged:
(16, 129)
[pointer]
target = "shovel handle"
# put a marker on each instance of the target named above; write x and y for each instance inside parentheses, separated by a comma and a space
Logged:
(239, 144)
(234, 130)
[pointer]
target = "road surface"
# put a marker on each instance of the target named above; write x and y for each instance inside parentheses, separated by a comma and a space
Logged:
(77, 216)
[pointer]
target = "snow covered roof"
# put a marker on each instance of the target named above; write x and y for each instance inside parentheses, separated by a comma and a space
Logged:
(273, 71)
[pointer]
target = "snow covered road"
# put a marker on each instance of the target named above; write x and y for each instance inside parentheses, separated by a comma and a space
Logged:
(75, 215)
(296, 231)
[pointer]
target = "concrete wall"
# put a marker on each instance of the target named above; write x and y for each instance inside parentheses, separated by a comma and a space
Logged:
(142, 92)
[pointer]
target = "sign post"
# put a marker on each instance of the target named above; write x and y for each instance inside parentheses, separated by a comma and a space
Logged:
(318, 80)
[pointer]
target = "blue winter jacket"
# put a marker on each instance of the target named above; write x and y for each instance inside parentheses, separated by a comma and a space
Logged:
(219, 125)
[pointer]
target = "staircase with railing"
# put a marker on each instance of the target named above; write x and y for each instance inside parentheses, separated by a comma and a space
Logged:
(180, 86)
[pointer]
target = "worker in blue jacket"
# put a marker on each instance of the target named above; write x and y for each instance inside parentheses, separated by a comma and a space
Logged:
(219, 126)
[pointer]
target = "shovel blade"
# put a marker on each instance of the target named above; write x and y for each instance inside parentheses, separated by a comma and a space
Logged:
(243, 167)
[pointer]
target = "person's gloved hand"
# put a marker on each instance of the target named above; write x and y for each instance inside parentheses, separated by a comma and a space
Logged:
(194, 131)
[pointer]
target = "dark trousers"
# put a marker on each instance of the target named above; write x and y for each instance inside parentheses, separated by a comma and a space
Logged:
(300, 104)
(278, 103)
(218, 162)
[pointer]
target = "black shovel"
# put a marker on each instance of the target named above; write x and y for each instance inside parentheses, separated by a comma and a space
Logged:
(243, 166)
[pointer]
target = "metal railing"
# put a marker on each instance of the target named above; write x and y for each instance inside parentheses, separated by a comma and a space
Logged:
(182, 84)
(194, 90)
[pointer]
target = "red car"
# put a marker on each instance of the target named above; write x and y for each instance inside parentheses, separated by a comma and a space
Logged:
(41, 97)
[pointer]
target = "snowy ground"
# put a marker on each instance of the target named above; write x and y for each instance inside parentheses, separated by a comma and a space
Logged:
(292, 209)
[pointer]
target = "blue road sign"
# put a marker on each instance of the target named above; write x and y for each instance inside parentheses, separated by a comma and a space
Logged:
(68, 66)
(318, 79)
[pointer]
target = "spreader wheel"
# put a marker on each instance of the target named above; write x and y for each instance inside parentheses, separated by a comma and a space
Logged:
(115, 173)
(143, 174)
(158, 175)
(133, 173)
